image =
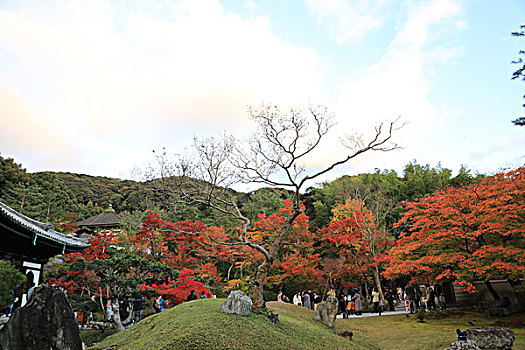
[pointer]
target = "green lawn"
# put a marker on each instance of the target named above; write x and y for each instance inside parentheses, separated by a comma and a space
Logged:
(400, 332)
(199, 325)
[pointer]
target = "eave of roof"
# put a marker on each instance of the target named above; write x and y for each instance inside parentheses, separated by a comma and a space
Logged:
(40, 229)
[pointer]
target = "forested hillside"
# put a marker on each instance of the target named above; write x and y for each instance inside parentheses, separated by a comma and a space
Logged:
(49, 196)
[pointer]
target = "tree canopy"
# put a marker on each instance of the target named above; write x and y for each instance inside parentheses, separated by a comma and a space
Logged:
(473, 232)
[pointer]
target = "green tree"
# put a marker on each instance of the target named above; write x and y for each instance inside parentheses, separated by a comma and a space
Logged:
(520, 72)
(10, 278)
(11, 175)
(264, 201)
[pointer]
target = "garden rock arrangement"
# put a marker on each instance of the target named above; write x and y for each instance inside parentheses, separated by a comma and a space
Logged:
(492, 337)
(327, 311)
(237, 303)
(45, 322)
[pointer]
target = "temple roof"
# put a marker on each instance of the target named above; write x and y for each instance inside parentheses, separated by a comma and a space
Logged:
(27, 237)
(108, 218)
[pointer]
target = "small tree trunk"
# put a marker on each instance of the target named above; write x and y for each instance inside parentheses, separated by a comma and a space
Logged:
(273, 253)
(48, 210)
(230, 270)
(104, 311)
(365, 296)
(116, 315)
(258, 285)
(378, 283)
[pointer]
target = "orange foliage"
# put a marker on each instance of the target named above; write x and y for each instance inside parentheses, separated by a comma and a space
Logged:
(355, 239)
(297, 259)
(474, 232)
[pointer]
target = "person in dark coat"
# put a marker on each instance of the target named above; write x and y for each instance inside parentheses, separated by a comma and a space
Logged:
(191, 296)
(138, 306)
(389, 297)
(411, 298)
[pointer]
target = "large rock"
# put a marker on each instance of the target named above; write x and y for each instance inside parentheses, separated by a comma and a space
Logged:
(237, 303)
(326, 311)
(45, 322)
(463, 345)
(492, 337)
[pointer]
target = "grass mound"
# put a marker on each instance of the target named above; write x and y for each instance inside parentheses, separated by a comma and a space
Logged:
(199, 325)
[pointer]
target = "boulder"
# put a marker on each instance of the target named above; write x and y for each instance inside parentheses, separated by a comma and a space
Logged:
(45, 322)
(326, 311)
(237, 303)
(463, 345)
(345, 334)
(274, 317)
(491, 337)
(498, 312)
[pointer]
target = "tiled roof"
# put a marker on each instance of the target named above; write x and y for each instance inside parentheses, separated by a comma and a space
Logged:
(41, 229)
(107, 218)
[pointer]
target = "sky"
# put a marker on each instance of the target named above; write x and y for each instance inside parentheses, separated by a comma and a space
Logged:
(93, 87)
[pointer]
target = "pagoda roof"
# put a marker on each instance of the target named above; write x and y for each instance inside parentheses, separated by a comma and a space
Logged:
(30, 238)
(108, 218)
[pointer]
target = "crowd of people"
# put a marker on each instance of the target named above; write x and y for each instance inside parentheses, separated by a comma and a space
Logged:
(349, 303)
(352, 302)
(423, 296)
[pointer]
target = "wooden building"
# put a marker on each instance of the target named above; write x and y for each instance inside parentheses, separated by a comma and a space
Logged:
(29, 243)
(106, 220)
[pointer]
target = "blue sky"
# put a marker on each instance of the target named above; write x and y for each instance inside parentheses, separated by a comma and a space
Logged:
(94, 86)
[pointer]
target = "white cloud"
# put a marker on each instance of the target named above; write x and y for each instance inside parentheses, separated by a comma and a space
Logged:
(27, 130)
(112, 80)
(107, 69)
(396, 85)
(349, 19)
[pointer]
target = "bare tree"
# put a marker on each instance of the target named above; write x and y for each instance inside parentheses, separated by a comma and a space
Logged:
(273, 156)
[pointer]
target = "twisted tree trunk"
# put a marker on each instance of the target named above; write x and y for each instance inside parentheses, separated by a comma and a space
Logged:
(116, 315)
(273, 254)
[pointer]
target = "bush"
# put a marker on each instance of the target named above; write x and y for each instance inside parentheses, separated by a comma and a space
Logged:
(10, 278)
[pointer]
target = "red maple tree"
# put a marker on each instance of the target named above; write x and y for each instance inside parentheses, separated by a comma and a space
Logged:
(357, 242)
(464, 234)
(299, 261)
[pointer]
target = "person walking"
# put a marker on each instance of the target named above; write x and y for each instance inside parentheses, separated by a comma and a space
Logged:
(343, 305)
(411, 298)
(358, 302)
(297, 299)
(400, 294)
(109, 310)
(375, 300)
(164, 303)
(307, 303)
(431, 296)
(316, 299)
(389, 297)
(156, 304)
(138, 306)
(350, 307)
